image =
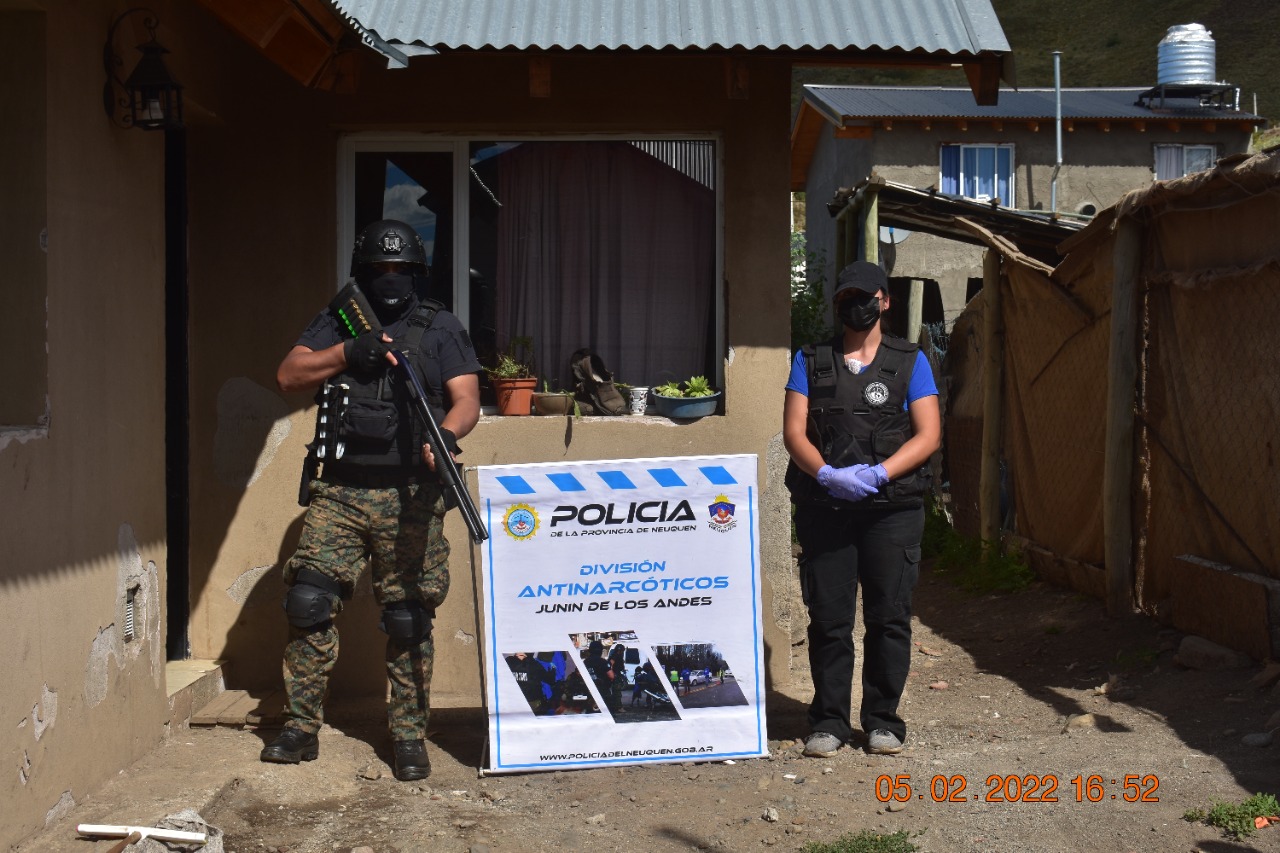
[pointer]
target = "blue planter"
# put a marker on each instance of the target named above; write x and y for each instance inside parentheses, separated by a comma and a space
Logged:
(686, 407)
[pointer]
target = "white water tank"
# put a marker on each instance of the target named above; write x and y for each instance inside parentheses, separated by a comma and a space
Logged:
(1186, 55)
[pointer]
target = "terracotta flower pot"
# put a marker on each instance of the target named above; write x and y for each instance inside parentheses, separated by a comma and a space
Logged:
(515, 396)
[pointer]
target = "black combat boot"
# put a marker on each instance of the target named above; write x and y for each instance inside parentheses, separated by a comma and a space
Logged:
(292, 746)
(411, 760)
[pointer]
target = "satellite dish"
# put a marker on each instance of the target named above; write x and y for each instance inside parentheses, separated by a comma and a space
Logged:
(889, 234)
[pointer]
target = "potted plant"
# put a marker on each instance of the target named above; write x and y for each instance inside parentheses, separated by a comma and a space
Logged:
(548, 402)
(514, 377)
(693, 398)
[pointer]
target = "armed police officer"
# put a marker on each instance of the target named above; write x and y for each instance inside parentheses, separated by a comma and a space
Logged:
(377, 500)
(860, 421)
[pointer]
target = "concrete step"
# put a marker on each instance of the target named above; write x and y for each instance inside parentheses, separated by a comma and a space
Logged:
(191, 684)
(240, 708)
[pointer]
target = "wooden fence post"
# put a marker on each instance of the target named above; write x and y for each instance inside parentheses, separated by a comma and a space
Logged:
(871, 228)
(992, 387)
(915, 310)
(1122, 378)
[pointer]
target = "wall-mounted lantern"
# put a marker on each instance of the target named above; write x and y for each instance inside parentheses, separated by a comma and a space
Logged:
(151, 99)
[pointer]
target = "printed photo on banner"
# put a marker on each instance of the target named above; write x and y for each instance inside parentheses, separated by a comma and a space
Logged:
(699, 675)
(551, 683)
(624, 677)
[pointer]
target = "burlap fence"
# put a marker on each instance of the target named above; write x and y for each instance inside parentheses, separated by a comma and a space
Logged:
(1205, 510)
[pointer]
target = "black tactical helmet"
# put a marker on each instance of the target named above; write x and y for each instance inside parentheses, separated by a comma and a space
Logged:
(388, 240)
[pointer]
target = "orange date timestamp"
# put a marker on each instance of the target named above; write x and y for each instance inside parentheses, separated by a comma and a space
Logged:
(1028, 788)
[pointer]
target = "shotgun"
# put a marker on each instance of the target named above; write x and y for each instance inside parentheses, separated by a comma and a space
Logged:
(356, 316)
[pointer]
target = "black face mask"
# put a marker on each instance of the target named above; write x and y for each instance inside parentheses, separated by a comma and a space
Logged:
(859, 314)
(390, 292)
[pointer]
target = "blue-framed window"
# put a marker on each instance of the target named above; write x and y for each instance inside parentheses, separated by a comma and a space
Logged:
(981, 172)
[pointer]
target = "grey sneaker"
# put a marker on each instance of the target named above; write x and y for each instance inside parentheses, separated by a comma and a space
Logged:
(821, 745)
(883, 742)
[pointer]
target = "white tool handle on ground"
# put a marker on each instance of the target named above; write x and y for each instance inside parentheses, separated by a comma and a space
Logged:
(158, 834)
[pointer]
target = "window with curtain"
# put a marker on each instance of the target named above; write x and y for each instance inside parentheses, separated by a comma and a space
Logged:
(608, 245)
(980, 172)
(1174, 161)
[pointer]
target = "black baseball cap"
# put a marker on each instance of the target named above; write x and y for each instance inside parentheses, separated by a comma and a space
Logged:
(863, 276)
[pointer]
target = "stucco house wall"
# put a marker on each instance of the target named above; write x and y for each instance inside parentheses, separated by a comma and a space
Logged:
(82, 494)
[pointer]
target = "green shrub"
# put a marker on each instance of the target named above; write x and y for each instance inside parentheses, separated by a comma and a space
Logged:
(808, 299)
(864, 842)
(973, 565)
(1237, 821)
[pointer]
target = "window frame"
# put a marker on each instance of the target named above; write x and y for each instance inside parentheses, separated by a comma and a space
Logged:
(1183, 148)
(351, 144)
(995, 146)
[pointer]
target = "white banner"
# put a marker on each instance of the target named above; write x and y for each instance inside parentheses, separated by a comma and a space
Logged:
(622, 603)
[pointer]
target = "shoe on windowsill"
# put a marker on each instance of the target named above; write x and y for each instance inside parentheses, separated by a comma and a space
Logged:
(291, 746)
(821, 745)
(411, 760)
(883, 742)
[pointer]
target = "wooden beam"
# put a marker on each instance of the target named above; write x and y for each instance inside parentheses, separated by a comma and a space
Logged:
(984, 79)
(1175, 126)
(887, 124)
(299, 36)
(1033, 126)
(539, 77)
(992, 386)
(997, 126)
(860, 131)
(1210, 127)
(1069, 126)
(1118, 454)
(926, 125)
(962, 124)
(737, 79)
(1140, 126)
(1104, 126)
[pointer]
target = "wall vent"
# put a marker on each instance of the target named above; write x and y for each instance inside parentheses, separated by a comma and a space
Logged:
(128, 613)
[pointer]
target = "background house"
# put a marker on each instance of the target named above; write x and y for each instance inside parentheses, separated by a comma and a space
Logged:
(1114, 140)
(148, 466)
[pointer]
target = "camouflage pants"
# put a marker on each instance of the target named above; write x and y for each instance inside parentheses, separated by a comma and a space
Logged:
(399, 532)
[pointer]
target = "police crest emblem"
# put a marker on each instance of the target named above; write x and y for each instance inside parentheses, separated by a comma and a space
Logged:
(876, 393)
(520, 522)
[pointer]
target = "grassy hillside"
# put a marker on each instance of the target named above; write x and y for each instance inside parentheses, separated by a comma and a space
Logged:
(1110, 43)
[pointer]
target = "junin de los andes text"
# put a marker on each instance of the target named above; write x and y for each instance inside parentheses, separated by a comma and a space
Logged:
(625, 604)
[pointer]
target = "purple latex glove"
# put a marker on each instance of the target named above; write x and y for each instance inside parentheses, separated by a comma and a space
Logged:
(875, 477)
(844, 483)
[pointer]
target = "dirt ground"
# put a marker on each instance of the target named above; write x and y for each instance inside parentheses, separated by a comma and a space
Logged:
(1016, 668)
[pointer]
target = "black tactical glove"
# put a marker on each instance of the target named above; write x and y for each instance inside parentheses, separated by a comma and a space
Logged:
(450, 440)
(367, 352)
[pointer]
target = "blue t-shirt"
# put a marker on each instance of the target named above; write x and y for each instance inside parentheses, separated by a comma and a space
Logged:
(921, 384)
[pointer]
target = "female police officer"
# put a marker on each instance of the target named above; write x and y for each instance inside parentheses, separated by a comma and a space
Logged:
(860, 421)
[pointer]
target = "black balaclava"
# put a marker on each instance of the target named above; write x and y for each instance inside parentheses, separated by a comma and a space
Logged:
(859, 312)
(391, 293)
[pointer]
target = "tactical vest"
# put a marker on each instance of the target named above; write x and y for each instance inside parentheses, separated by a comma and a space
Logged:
(378, 427)
(859, 419)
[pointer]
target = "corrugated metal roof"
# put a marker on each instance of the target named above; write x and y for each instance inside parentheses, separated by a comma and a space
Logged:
(853, 102)
(950, 27)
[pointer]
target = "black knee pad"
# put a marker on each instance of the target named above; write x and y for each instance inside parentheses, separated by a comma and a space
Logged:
(407, 623)
(309, 602)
